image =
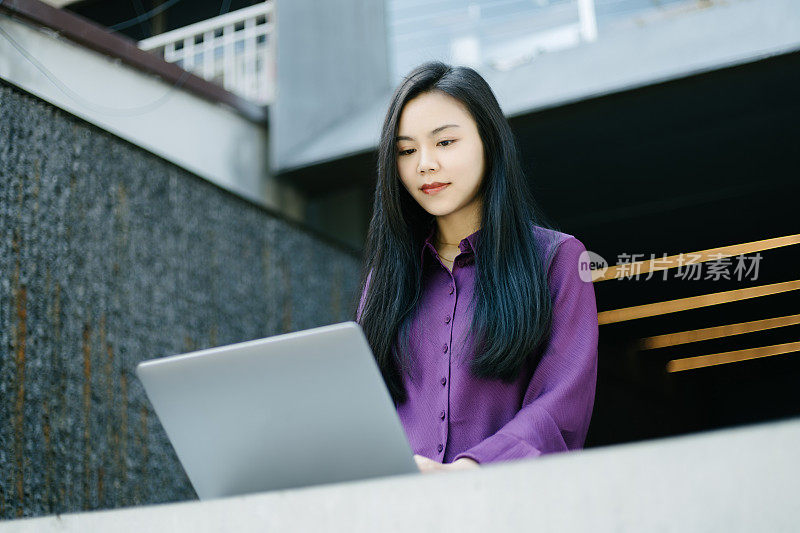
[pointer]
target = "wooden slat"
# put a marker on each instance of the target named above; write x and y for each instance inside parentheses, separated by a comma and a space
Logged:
(701, 361)
(694, 302)
(712, 254)
(716, 332)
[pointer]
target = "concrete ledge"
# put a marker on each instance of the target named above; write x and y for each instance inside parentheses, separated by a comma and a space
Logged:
(743, 479)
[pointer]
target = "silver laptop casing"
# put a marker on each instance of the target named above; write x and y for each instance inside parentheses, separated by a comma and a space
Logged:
(293, 410)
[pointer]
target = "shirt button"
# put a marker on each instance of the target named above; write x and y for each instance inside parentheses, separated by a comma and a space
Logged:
(451, 289)
(444, 380)
(441, 415)
(440, 448)
(447, 319)
(444, 348)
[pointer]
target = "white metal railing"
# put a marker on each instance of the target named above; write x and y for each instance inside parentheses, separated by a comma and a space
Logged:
(235, 50)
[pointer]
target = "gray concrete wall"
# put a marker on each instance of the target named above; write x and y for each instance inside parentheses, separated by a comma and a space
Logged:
(332, 59)
(110, 255)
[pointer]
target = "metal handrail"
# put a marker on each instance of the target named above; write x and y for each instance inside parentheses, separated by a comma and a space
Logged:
(235, 50)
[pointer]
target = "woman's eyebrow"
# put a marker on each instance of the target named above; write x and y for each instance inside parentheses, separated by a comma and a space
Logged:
(432, 133)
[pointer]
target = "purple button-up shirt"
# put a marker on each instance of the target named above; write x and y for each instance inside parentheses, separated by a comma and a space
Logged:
(451, 414)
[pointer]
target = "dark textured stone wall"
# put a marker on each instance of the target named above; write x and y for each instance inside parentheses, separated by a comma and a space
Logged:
(110, 255)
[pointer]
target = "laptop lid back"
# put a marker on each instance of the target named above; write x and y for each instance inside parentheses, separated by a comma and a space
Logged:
(292, 410)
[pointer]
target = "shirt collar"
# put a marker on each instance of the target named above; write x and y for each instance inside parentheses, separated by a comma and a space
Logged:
(466, 245)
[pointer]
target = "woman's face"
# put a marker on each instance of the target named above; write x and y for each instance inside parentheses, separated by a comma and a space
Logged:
(438, 142)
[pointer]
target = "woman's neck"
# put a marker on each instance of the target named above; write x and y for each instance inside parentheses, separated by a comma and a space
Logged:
(446, 241)
(453, 228)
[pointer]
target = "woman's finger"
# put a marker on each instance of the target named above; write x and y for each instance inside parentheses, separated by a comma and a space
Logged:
(427, 465)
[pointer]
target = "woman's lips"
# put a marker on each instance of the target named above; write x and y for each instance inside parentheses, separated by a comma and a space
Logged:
(434, 190)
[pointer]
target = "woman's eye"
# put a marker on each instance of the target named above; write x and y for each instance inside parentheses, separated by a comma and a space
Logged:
(411, 150)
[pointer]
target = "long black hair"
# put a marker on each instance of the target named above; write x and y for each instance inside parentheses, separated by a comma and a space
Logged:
(511, 300)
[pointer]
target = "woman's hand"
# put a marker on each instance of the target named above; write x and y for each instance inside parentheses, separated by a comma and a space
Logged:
(427, 465)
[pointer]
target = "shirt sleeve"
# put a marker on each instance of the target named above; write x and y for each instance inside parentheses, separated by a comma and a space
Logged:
(558, 402)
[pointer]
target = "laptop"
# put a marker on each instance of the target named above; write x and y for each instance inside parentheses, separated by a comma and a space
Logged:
(292, 410)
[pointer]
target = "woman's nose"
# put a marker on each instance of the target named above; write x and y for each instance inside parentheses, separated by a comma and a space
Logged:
(427, 162)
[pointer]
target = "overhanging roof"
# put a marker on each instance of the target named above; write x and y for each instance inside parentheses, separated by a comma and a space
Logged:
(672, 45)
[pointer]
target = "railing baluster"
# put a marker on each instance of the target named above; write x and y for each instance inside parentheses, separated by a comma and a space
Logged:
(246, 66)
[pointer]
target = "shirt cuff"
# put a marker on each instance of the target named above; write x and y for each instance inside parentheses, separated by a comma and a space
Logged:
(499, 447)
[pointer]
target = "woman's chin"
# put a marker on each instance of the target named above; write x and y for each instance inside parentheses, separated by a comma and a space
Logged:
(438, 211)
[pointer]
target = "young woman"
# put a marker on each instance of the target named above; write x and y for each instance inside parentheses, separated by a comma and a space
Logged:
(484, 332)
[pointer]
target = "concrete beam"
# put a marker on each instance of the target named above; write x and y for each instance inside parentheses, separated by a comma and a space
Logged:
(672, 46)
(743, 479)
(332, 59)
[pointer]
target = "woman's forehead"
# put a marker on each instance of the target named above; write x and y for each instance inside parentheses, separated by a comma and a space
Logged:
(430, 111)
